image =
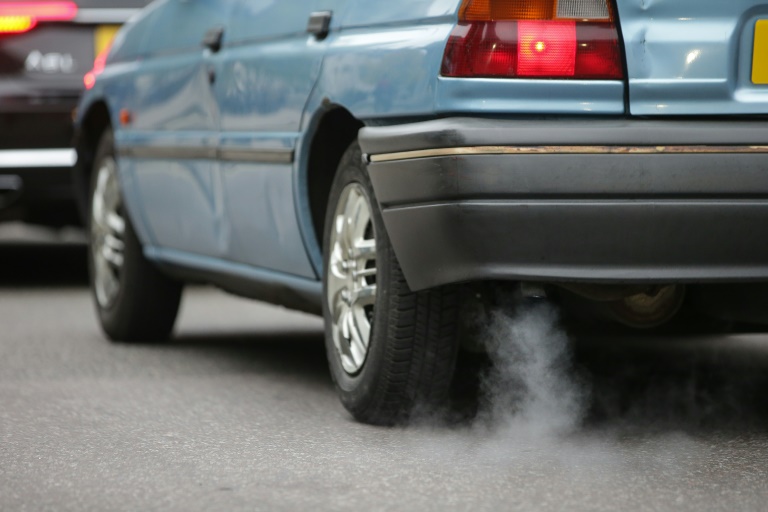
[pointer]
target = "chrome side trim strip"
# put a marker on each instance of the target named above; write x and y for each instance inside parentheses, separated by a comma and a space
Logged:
(36, 158)
(278, 156)
(104, 15)
(168, 152)
(564, 150)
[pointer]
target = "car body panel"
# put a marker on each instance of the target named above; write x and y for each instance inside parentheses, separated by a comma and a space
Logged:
(459, 95)
(165, 91)
(689, 57)
(171, 106)
(358, 63)
(260, 99)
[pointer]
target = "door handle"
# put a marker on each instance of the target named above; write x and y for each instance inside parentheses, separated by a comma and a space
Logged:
(213, 38)
(319, 24)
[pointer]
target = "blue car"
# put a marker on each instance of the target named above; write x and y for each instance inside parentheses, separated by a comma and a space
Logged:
(370, 161)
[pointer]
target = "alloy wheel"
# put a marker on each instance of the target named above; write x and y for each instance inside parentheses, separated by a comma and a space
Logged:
(107, 234)
(351, 281)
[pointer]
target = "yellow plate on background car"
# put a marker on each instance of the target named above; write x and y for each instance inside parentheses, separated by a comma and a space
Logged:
(760, 53)
(102, 36)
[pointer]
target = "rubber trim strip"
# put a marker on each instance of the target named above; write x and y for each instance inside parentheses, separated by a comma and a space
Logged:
(279, 156)
(168, 152)
(565, 150)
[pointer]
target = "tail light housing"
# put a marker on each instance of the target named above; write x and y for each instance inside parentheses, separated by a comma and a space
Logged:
(19, 17)
(557, 39)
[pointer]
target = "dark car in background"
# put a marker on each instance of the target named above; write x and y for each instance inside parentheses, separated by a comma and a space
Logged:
(46, 48)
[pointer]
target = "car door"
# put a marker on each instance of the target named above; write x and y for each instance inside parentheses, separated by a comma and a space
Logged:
(264, 78)
(169, 147)
(688, 57)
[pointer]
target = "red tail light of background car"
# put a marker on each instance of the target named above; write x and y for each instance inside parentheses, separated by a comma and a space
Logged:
(99, 63)
(19, 17)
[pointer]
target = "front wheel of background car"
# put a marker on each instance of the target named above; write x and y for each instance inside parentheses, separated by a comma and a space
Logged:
(134, 300)
(390, 350)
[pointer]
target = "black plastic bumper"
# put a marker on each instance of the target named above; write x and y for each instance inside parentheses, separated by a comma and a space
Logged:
(38, 192)
(595, 200)
(38, 196)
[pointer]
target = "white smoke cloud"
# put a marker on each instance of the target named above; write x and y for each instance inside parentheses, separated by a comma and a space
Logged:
(531, 388)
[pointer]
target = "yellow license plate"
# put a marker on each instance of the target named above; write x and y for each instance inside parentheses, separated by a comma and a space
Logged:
(760, 53)
(103, 35)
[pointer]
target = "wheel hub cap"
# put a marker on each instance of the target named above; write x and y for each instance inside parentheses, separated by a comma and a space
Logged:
(107, 234)
(351, 282)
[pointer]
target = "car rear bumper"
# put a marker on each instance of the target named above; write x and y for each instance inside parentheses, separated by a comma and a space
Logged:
(36, 160)
(36, 186)
(599, 200)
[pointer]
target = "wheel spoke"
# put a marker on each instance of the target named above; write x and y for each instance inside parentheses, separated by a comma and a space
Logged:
(362, 326)
(114, 243)
(344, 325)
(111, 256)
(97, 214)
(358, 345)
(360, 217)
(350, 212)
(340, 235)
(115, 223)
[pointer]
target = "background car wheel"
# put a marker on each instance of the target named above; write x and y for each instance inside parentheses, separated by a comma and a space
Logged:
(390, 350)
(134, 300)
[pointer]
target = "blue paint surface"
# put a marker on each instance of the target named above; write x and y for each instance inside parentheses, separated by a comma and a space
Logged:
(692, 57)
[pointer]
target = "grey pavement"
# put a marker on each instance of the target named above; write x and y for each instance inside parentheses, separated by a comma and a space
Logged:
(238, 412)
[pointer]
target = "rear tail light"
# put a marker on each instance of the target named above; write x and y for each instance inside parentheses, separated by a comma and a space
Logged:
(18, 17)
(574, 39)
(99, 63)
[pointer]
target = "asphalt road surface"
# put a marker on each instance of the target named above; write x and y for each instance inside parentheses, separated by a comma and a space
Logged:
(238, 412)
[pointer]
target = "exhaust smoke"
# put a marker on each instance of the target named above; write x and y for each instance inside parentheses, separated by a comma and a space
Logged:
(532, 401)
(541, 414)
(531, 387)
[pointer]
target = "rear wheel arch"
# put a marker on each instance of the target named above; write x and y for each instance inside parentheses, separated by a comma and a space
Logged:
(92, 128)
(329, 137)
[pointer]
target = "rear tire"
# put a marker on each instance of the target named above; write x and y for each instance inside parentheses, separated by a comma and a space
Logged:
(391, 351)
(134, 300)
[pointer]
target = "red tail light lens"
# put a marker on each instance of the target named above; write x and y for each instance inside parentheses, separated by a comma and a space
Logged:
(546, 48)
(556, 47)
(18, 17)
